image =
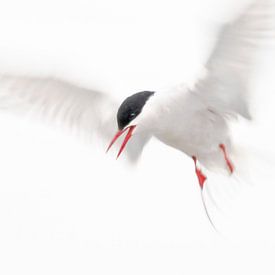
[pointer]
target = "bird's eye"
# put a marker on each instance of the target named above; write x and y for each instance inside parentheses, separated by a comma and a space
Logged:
(132, 114)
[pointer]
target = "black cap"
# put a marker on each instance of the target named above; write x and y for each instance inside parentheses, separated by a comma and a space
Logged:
(131, 107)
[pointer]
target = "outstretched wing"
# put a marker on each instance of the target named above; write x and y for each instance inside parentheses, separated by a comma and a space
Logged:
(225, 88)
(62, 104)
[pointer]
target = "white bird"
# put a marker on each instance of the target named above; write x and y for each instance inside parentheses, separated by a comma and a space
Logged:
(193, 120)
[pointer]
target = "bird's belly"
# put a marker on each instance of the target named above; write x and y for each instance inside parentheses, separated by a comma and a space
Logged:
(200, 136)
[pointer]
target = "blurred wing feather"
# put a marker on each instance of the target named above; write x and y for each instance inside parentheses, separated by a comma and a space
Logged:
(57, 101)
(225, 88)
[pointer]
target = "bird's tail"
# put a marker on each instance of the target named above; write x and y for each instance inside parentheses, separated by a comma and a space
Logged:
(230, 202)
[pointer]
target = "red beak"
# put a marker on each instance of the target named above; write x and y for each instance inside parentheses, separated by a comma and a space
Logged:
(126, 139)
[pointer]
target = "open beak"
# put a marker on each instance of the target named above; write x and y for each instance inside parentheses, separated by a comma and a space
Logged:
(126, 139)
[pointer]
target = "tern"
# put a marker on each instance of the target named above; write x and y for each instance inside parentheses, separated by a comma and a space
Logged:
(191, 118)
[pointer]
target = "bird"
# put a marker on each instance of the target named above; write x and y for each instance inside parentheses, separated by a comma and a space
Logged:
(193, 119)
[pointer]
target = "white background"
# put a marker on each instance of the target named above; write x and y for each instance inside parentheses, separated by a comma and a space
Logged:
(66, 207)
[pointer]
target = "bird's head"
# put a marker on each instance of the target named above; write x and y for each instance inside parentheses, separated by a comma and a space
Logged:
(130, 116)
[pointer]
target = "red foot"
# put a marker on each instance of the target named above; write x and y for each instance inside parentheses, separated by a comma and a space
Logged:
(201, 177)
(228, 161)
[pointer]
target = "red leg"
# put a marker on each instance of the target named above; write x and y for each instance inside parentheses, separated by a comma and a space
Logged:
(201, 177)
(227, 160)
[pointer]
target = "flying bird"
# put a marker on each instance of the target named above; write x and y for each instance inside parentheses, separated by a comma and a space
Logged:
(191, 118)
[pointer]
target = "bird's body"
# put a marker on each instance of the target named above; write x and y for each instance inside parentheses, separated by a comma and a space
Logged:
(190, 126)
